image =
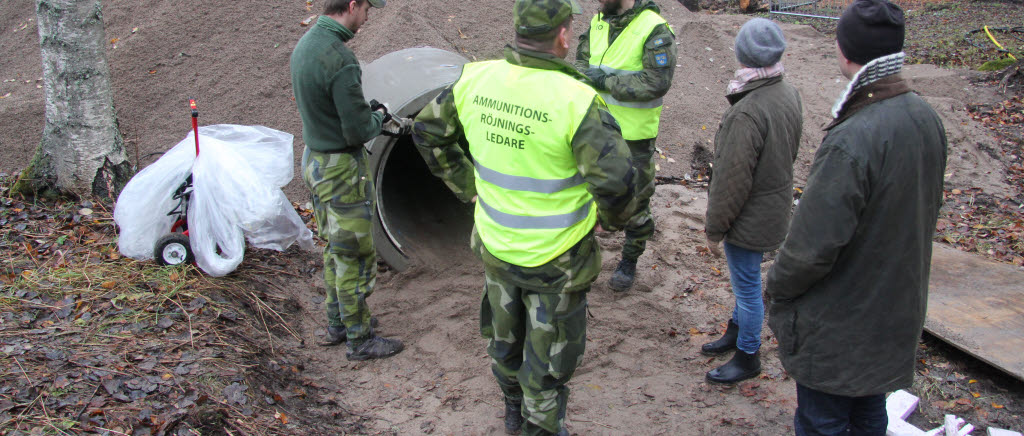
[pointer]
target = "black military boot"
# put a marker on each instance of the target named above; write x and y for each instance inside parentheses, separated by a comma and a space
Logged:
(741, 367)
(337, 335)
(622, 278)
(725, 343)
(513, 417)
(374, 347)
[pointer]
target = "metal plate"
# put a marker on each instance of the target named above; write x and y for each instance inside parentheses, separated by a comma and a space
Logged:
(977, 305)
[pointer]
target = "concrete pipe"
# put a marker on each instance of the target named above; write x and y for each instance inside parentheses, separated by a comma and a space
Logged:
(419, 220)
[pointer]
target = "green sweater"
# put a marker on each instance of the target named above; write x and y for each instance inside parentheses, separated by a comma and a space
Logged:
(328, 87)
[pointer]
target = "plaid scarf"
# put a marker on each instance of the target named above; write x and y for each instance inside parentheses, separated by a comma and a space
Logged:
(878, 68)
(747, 75)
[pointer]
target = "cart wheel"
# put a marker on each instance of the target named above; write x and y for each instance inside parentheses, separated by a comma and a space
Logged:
(173, 249)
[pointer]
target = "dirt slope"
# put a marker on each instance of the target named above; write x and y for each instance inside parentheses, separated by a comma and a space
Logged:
(642, 372)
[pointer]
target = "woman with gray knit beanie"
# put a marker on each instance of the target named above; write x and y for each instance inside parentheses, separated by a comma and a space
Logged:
(750, 197)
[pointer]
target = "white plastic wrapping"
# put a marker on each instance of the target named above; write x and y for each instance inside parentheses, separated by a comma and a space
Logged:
(237, 183)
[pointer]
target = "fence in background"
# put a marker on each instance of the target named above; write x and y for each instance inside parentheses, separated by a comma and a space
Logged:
(830, 9)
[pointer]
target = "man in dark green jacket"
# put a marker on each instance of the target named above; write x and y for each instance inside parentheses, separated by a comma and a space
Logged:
(628, 53)
(750, 197)
(336, 121)
(849, 288)
(542, 144)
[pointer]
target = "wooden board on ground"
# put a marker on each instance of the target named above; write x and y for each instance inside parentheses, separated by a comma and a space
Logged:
(977, 305)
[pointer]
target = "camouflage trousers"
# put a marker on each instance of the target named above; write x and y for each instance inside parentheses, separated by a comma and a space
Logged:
(640, 228)
(343, 202)
(536, 341)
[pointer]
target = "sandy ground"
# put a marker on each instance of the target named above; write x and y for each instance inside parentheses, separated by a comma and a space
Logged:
(643, 371)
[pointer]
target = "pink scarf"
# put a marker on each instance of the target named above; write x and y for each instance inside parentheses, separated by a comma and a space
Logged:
(747, 75)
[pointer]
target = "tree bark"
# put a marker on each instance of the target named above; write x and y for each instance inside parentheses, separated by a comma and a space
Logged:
(81, 152)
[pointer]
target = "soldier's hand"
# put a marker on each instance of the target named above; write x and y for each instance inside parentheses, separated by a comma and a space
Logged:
(396, 126)
(377, 106)
(596, 78)
(715, 248)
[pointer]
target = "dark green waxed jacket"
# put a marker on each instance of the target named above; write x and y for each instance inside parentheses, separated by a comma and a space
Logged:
(751, 192)
(849, 288)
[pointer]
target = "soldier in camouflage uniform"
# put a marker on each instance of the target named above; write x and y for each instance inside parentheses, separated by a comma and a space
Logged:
(335, 124)
(655, 60)
(533, 313)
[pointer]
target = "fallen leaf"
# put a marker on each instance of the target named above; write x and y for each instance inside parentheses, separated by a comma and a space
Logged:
(307, 21)
(152, 71)
(997, 406)
(748, 389)
(963, 401)
(109, 284)
(5, 95)
(975, 394)
(971, 381)
(281, 417)
(114, 40)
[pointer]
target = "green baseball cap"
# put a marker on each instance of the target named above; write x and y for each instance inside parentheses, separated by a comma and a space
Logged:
(538, 16)
(378, 3)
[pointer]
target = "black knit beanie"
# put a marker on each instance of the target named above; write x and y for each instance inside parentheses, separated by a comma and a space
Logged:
(870, 29)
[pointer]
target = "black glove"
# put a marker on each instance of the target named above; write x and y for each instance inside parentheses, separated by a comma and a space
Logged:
(380, 107)
(596, 77)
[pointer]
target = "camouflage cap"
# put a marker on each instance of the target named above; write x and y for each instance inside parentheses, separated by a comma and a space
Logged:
(538, 16)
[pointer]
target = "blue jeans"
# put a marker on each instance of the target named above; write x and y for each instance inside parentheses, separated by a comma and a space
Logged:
(821, 414)
(748, 314)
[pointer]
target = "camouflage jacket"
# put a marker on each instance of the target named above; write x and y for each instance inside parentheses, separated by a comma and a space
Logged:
(654, 80)
(602, 158)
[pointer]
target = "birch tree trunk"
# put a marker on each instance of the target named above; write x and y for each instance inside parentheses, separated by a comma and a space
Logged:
(82, 151)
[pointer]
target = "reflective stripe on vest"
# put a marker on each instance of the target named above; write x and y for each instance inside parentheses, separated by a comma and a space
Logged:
(532, 202)
(535, 222)
(638, 119)
(520, 183)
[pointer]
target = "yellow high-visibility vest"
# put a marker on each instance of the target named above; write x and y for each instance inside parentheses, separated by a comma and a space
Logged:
(532, 203)
(638, 119)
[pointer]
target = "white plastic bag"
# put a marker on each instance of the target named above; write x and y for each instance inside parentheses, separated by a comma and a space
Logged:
(236, 195)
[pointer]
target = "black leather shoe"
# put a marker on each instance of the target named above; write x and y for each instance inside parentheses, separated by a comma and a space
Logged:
(513, 417)
(622, 278)
(741, 367)
(375, 347)
(725, 343)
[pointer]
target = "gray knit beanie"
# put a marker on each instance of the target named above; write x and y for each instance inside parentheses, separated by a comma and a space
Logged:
(760, 43)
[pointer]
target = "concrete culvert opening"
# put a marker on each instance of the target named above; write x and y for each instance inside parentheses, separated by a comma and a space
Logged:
(419, 220)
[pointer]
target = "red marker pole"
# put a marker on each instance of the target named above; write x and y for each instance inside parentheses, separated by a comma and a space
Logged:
(195, 122)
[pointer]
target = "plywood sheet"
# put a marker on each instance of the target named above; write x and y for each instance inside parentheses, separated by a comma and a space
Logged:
(977, 305)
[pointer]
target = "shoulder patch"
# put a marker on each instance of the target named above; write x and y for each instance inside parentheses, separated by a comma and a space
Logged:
(661, 59)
